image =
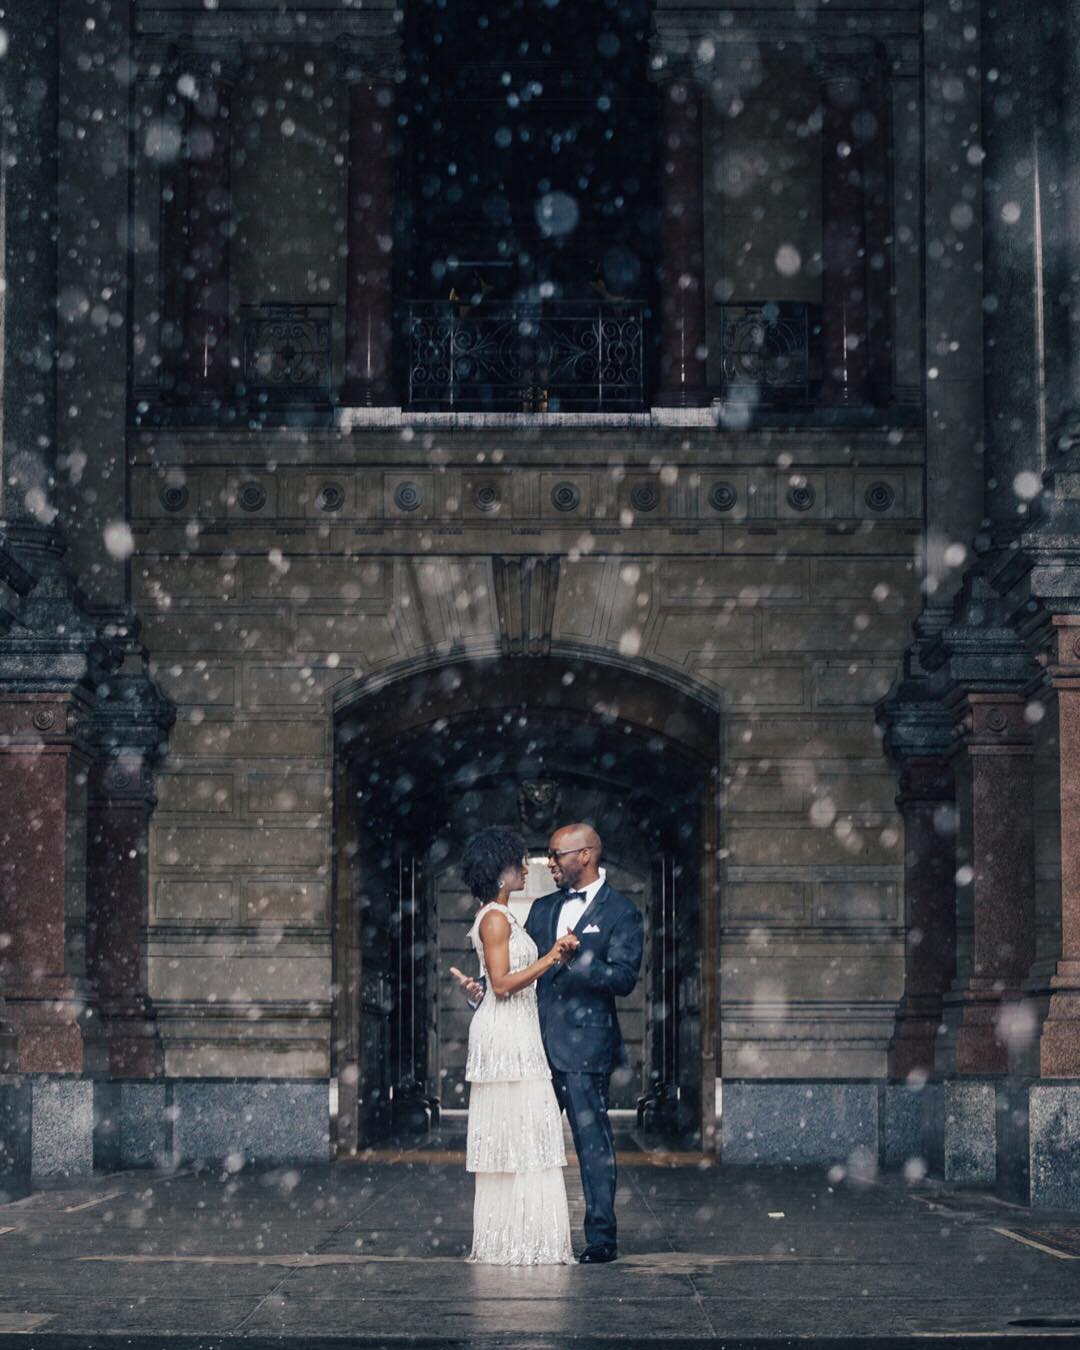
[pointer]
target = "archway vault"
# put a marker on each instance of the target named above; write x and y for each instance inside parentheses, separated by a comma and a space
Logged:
(632, 707)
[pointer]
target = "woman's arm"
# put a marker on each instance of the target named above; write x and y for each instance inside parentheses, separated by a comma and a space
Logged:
(495, 935)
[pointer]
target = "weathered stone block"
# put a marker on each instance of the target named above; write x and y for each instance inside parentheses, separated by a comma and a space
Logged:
(807, 846)
(281, 793)
(278, 739)
(15, 1137)
(767, 791)
(848, 684)
(194, 900)
(251, 1122)
(230, 973)
(704, 635)
(197, 685)
(208, 633)
(877, 581)
(62, 1127)
(856, 902)
(268, 686)
(748, 580)
(800, 1123)
(830, 631)
(763, 687)
(286, 902)
(239, 846)
(970, 1132)
(369, 638)
(162, 580)
(807, 738)
(1055, 1144)
(778, 901)
(349, 580)
(201, 793)
(903, 1112)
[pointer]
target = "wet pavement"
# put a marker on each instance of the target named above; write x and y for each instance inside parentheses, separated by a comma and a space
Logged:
(370, 1253)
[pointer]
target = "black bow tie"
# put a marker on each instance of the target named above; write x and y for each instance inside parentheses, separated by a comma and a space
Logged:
(575, 895)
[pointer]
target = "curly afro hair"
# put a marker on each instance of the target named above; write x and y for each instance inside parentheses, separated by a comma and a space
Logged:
(486, 856)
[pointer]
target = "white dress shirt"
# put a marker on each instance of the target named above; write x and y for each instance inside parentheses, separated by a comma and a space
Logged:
(572, 910)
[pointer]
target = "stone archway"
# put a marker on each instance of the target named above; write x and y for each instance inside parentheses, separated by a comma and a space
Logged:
(641, 737)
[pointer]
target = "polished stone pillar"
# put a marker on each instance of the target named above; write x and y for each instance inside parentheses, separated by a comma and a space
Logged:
(682, 246)
(28, 220)
(1059, 1050)
(846, 377)
(44, 757)
(205, 377)
(117, 893)
(369, 294)
(994, 770)
(927, 806)
(1068, 432)
(131, 724)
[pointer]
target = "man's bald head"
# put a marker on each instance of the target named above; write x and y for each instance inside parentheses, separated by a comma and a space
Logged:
(574, 853)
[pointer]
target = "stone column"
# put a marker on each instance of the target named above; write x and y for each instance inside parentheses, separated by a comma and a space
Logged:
(682, 246)
(843, 77)
(206, 376)
(927, 806)
(44, 757)
(369, 292)
(994, 769)
(28, 218)
(15, 582)
(1068, 433)
(131, 724)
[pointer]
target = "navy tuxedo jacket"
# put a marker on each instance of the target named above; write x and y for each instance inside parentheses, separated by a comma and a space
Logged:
(577, 1000)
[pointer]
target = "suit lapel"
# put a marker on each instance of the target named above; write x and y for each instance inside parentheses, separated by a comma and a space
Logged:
(591, 911)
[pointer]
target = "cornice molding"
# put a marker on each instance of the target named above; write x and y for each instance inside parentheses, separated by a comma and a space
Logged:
(300, 27)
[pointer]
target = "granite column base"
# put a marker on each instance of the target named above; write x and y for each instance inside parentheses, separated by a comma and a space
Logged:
(1054, 1144)
(15, 1108)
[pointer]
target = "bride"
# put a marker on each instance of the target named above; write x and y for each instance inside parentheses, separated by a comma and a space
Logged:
(515, 1140)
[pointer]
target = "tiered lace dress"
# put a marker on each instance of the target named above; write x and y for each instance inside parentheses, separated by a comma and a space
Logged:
(515, 1140)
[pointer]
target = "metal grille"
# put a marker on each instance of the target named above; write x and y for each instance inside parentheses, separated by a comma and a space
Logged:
(526, 358)
(287, 353)
(769, 351)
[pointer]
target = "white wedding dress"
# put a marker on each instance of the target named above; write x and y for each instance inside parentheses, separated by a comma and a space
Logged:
(515, 1139)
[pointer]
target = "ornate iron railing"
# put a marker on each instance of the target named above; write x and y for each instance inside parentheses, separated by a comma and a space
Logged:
(287, 354)
(527, 358)
(770, 351)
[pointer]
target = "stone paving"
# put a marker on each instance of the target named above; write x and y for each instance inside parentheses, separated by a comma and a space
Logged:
(371, 1251)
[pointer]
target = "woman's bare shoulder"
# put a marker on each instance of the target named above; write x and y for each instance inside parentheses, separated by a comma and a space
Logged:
(494, 925)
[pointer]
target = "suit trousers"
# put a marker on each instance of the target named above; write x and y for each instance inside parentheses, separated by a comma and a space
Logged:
(584, 1098)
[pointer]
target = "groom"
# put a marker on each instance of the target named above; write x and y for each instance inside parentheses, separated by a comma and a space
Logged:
(577, 1011)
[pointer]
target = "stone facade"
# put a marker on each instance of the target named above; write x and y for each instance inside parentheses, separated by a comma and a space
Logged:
(264, 659)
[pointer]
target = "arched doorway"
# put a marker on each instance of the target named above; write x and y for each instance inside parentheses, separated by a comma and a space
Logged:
(531, 742)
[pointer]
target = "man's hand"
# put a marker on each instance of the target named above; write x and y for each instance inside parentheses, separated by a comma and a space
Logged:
(567, 945)
(474, 990)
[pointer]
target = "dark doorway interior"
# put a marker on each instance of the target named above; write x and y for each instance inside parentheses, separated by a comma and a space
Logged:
(409, 805)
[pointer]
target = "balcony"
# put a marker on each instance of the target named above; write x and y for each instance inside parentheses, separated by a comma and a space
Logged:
(559, 357)
(513, 363)
(770, 354)
(286, 356)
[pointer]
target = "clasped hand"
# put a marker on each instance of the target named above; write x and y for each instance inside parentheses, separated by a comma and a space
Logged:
(564, 947)
(474, 990)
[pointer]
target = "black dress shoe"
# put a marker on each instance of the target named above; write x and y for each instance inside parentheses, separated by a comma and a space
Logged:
(598, 1255)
